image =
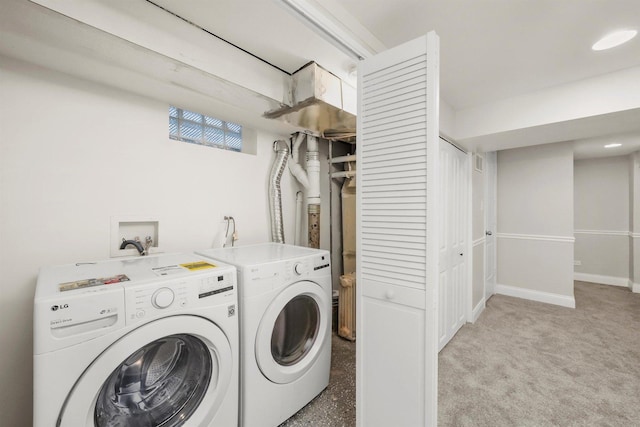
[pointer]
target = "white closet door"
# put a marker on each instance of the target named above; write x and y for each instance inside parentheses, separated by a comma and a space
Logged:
(490, 171)
(453, 241)
(397, 237)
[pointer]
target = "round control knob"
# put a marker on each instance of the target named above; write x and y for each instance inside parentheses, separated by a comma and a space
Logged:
(299, 268)
(162, 298)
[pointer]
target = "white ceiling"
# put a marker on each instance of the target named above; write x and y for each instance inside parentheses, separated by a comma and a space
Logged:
(594, 147)
(266, 29)
(494, 49)
(490, 49)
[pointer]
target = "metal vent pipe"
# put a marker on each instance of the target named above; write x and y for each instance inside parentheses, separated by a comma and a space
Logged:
(275, 193)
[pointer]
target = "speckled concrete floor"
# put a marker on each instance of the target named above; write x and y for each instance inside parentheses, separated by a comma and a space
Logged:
(336, 405)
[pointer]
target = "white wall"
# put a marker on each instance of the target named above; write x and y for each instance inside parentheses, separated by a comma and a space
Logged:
(535, 223)
(602, 193)
(601, 212)
(73, 154)
(446, 119)
(589, 98)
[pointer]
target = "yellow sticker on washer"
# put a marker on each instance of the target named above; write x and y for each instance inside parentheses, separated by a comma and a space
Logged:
(198, 265)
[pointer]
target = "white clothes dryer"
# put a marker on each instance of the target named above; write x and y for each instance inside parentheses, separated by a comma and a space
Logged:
(285, 328)
(150, 341)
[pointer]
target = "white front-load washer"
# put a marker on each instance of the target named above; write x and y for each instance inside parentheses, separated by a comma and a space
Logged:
(150, 341)
(285, 328)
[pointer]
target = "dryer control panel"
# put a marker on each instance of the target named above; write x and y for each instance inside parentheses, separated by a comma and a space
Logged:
(161, 298)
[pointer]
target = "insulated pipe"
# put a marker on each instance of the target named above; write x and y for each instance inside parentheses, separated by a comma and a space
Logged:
(275, 193)
(313, 192)
(310, 180)
(313, 171)
(343, 174)
(294, 166)
(343, 159)
(296, 147)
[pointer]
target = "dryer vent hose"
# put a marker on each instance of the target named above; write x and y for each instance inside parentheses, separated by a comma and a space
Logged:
(275, 193)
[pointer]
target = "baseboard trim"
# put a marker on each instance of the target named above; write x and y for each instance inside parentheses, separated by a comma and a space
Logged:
(477, 310)
(634, 287)
(603, 280)
(560, 239)
(533, 295)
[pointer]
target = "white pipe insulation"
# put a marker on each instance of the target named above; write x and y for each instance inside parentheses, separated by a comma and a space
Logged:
(310, 180)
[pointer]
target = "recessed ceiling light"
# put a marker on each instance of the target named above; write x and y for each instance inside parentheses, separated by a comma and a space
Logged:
(614, 39)
(612, 145)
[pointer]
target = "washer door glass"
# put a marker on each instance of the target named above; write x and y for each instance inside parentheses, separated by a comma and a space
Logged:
(295, 330)
(161, 384)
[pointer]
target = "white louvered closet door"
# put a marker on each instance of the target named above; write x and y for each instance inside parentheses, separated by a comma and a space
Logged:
(397, 236)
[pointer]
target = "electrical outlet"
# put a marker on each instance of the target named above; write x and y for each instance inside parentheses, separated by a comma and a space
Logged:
(577, 262)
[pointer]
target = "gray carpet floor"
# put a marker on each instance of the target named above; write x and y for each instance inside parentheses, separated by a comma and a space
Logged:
(525, 363)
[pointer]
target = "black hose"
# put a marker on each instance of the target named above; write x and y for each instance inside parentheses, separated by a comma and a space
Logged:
(138, 245)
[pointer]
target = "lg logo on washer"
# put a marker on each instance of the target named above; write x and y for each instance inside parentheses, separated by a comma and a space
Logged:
(57, 307)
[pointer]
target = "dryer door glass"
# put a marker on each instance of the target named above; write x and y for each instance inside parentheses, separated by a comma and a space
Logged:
(161, 384)
(295, 330)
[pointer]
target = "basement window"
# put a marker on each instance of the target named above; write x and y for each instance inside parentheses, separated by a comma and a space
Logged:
(200, 129)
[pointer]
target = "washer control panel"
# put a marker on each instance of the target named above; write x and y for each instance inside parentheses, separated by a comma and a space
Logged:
(307, 267)
(161, 298)
(220, 285)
